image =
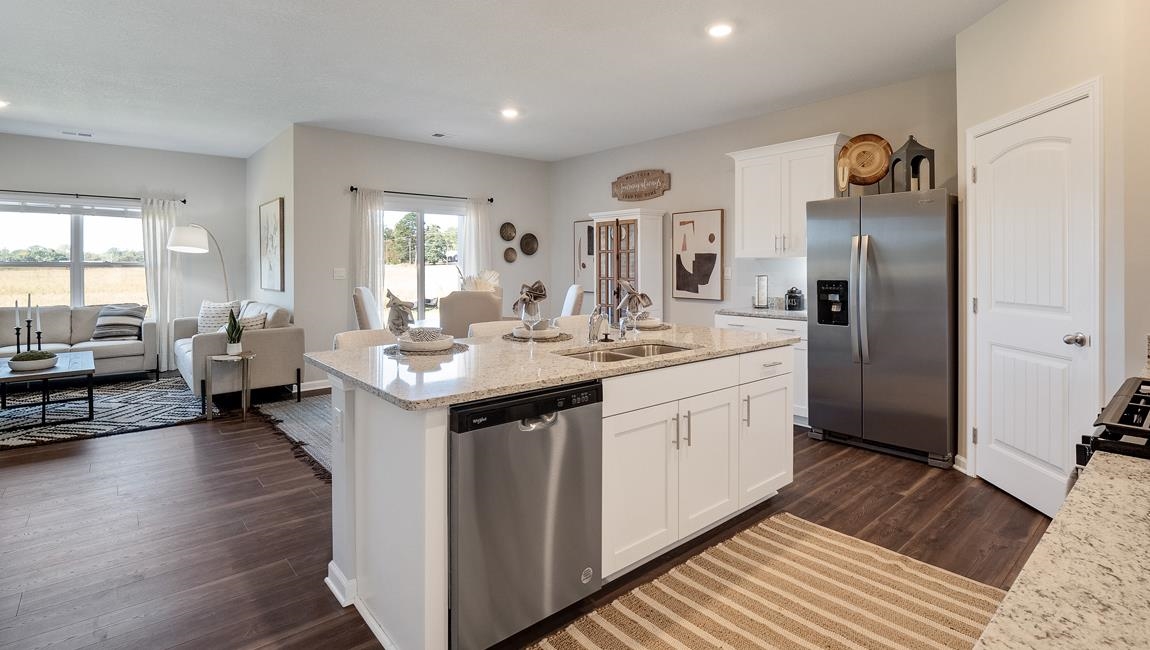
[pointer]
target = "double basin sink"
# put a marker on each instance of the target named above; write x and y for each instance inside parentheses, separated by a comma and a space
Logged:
(628, 353)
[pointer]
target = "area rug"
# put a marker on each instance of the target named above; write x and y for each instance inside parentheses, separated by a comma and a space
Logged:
(120, 407)
(307, 423)
(787, 583)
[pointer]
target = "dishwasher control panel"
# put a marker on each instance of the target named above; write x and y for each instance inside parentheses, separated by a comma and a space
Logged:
(500, 410)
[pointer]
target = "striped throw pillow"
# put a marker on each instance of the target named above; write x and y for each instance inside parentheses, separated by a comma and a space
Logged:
(215, 314)
(119, 323)
(250, 323)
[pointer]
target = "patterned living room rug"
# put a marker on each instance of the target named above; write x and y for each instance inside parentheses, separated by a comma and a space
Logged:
(307, 423)
(120, 407)
(787, 583)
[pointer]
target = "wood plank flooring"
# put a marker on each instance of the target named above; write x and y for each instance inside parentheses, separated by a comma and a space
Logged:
(212, 535)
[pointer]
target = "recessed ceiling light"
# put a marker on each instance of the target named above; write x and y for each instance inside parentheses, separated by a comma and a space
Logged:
(4, 104)
(510, 113)
(720, 30)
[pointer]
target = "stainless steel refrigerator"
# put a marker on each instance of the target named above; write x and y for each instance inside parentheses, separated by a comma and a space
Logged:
(882, 329)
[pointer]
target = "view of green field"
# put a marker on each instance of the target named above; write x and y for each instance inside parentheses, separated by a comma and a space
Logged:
(49, 285)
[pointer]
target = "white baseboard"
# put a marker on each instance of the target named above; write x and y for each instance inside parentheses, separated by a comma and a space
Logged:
(318, 384)
(960, 464)
(343, 588)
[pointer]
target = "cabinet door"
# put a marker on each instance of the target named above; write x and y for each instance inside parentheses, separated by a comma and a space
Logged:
(800, 377)
(640, 484)
(758, 206)
(708, 459)
(766, 440)
(806, 176)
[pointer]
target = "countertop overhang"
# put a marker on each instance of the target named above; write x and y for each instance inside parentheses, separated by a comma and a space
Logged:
(493, 367)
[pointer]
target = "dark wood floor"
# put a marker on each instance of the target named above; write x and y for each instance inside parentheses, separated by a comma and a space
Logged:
(213, 535)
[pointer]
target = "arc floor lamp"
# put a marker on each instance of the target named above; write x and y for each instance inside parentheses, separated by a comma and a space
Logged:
(193, 238)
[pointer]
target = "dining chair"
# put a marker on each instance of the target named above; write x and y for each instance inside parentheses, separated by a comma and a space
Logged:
(367, 313)
(573, 302)
(363, 339)
(491, 328)
(459, 309)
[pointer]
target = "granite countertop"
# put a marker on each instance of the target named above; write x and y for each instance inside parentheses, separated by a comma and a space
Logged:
(492, 367)
(1087, 584)
(755, 312)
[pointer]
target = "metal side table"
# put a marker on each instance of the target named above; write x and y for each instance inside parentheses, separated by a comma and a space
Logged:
(244, 359)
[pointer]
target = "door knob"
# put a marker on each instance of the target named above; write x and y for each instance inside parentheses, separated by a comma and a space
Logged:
(1077, 338)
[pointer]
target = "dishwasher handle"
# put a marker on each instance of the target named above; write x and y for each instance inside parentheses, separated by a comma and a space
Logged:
(540, 423)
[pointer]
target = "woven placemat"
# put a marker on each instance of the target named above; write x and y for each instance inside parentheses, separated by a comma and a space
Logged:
(394, 351)
(660, 328)
(563, 336)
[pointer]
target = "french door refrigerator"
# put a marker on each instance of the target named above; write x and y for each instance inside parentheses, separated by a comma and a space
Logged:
(882, 272)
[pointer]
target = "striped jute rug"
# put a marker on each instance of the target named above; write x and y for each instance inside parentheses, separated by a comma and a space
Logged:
(787, 583)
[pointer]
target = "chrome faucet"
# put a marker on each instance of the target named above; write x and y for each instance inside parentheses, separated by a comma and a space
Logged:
(595, 324)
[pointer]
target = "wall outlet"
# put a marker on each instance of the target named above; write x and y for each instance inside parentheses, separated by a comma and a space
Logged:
(339, 274)
(728, 273)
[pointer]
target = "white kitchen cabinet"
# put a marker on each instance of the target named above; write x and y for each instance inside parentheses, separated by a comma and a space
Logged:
(772, 187)
(766, 438)
(786, 328)
(640, 484)
(708, 459)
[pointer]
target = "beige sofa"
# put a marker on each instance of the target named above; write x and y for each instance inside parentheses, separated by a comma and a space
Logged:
(278, 349)
(67, 329)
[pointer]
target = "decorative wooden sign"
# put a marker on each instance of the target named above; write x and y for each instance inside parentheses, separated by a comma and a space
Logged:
(641, 185)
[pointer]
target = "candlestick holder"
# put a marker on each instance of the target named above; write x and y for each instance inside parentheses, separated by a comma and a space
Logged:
(39, 346)
(28, 322)
(17, 339)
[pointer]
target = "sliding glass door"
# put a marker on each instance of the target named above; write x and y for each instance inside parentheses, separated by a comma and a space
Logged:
(422, 261)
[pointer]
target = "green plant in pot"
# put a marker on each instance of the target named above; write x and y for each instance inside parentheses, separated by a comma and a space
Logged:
(234, 332)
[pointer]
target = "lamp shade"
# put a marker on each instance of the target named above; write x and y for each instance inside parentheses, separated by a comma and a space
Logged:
(188, 239)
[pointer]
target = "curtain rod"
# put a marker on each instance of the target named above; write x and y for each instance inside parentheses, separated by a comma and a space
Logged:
(88, 196)
(432, 196)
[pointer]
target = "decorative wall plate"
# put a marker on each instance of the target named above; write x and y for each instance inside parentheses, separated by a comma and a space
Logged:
(509, 255)
(529, 244)
(507, 231)
(865, 158)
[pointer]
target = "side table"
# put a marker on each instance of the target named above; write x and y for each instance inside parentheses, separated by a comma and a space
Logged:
(244, 359)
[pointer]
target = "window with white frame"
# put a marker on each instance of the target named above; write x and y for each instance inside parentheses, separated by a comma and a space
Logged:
(422, 256)
(71, 252)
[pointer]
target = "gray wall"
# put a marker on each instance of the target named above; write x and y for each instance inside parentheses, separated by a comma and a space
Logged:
(213, 185)
(702, 176)
(271, 174)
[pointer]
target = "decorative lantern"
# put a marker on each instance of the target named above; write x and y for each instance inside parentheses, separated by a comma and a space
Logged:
(906, 167)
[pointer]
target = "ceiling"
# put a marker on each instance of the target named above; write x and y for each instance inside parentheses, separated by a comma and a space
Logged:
(226, 76)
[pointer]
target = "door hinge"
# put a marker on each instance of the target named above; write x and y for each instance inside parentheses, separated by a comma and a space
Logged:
(973, 174)
(974, 304)
(974, 436)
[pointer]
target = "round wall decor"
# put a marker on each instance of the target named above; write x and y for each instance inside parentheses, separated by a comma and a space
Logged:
(509, 255)
(865, 159)
(507, 231)
(529, 244)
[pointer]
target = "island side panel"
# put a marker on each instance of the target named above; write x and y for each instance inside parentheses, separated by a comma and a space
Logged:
(401, 477)
(341, 571)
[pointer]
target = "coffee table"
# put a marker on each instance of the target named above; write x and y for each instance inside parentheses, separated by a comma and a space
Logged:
(70, 364)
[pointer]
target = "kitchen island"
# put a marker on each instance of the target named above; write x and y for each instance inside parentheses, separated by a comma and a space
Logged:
(391, 442)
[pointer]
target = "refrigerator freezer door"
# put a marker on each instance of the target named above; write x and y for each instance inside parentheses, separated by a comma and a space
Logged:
(834, 378)
(909, 352)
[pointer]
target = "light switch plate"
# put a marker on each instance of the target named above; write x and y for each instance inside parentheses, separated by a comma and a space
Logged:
(339, 274)
(728, 273)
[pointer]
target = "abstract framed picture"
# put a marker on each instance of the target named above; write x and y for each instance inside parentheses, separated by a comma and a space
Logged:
(272, 245)
(697, 254)
(584, 258)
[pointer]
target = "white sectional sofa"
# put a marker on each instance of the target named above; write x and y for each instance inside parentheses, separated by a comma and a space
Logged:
(278, 349)
(68, 329)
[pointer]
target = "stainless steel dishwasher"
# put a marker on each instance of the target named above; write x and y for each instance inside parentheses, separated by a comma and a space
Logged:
(526, 502)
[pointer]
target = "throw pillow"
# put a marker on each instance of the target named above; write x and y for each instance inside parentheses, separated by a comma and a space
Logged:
(215, 314)
(119, 323)
(250, 323)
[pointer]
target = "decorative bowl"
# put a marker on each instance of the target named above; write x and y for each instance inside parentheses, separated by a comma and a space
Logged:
(438, 345)
(36, 364)
(423, 334)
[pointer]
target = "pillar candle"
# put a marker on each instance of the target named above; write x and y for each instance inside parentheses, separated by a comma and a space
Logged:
(38, 319)
(16, 311)
(29, 307)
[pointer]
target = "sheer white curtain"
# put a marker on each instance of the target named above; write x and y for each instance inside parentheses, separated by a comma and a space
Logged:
(475, 237)
(159, 217)
(371, 252)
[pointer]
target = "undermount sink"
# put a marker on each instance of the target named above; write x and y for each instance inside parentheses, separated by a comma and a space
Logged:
(626, 354)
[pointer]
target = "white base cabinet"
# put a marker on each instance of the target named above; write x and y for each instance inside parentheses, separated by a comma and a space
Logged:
(780, 326)
(673, 469)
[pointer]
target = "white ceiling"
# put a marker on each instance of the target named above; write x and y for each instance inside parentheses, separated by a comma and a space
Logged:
(225, 76)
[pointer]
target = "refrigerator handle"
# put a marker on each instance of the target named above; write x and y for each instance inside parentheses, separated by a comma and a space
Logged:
(852, 299)
(863, 264)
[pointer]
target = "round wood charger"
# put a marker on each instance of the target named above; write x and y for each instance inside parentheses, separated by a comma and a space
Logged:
(865, 159)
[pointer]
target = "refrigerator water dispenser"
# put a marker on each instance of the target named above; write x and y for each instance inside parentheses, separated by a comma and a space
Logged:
(832, 302)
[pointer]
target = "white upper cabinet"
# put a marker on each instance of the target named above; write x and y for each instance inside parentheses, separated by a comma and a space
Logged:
(772, 187)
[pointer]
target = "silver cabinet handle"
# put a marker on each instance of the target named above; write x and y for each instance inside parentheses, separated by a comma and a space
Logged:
(864, 339)
(1077, 338)
(785, 329)
(776, 243)
(676, 440)
(688, 428)
(748, 420)
(772, 364)
(852, 299)
(735, 325)
(784, 242)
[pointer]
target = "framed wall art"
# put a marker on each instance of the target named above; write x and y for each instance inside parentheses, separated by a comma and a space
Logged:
(697, 254)
(272, 245)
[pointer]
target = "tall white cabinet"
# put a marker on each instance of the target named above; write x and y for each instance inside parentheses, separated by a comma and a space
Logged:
(772, 187)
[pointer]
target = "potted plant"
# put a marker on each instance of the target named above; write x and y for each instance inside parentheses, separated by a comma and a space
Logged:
(235, 332)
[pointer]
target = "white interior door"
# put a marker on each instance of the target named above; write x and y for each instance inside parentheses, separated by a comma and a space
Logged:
(1034, 206)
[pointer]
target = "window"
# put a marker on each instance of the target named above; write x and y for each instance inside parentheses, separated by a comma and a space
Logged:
(422, 260)
(38, 253)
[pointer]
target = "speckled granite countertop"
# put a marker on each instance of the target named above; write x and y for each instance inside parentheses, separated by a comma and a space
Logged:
(1087, 584)
(781, 314)
(492, 367)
